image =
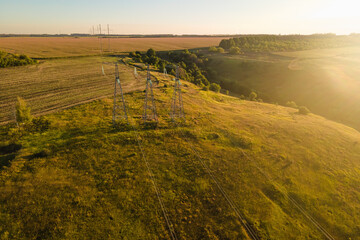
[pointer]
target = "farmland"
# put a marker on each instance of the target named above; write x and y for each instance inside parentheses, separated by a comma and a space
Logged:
(50, 47)
(59, 83)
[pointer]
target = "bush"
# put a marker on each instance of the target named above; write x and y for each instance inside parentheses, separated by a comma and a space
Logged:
(215, 87)
(220, 50)
(40, 124)
(205, 88)
(303, 110)
(252, 96)
(291, 104)
(235, 51)
(151, 53)
(213, 49)
(22, 111)
(11, 60)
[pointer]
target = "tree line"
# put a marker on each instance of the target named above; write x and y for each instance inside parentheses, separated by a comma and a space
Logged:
(269, 43)
(192, 65)
(12, 60)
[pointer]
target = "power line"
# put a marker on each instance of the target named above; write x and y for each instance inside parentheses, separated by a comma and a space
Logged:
(150, 172)
(100, 40)
(157, 191)
(249, 229)
(108, 37)
(177, 107)
(116, 114)
(152, 107)
(293, 201)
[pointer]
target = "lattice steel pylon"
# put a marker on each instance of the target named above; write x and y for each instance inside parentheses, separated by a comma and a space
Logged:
(165, 73)
(152, 107)
(120, 110)
(177, 107)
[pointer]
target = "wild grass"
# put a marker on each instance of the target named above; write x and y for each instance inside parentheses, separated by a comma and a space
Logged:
(324, 80)
(92, 182)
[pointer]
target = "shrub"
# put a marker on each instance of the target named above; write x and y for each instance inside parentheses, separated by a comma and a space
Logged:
(213, 49)
(242, 97)
(291, 104)
(11, 60)
(220, 50)
(252, 96)
(205, 88)
(215, 87)
(39, 124)
(303, 110)
(22, 111)
(235, 51)
(151, 53)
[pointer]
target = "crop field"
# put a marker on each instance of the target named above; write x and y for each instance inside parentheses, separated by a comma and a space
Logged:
(60, 83)
(47, 47)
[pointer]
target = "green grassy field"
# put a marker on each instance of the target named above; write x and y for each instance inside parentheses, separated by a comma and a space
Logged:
(326, 80)
(83, 179)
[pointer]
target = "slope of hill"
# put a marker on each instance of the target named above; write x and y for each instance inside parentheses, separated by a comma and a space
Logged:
(82, 179)
(325, 80)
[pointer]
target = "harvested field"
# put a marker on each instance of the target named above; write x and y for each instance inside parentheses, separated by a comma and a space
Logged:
(46, 47)
(60, 83)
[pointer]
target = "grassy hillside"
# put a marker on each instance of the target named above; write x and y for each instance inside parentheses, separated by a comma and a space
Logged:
(326, 81)
(49, 47)
(82, 179)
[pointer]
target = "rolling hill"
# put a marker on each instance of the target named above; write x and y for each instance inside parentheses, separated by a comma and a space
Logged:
(288, 176)
(325, 80)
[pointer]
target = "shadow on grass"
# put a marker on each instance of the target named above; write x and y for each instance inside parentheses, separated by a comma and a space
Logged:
(5, 160)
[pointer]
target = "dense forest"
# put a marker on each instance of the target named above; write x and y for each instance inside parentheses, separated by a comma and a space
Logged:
(268, 43)
(12, 60)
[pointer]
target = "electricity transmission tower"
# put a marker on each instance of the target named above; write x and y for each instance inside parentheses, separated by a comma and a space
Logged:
(177, 108)
(136, 73)
(108, 37)
(165, 73)
(119, 111)
(149, 103)
(100, 39)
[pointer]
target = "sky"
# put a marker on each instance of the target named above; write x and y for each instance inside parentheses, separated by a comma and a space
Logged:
(180, 16)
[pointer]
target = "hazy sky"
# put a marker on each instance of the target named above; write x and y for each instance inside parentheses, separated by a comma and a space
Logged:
(181, 16)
